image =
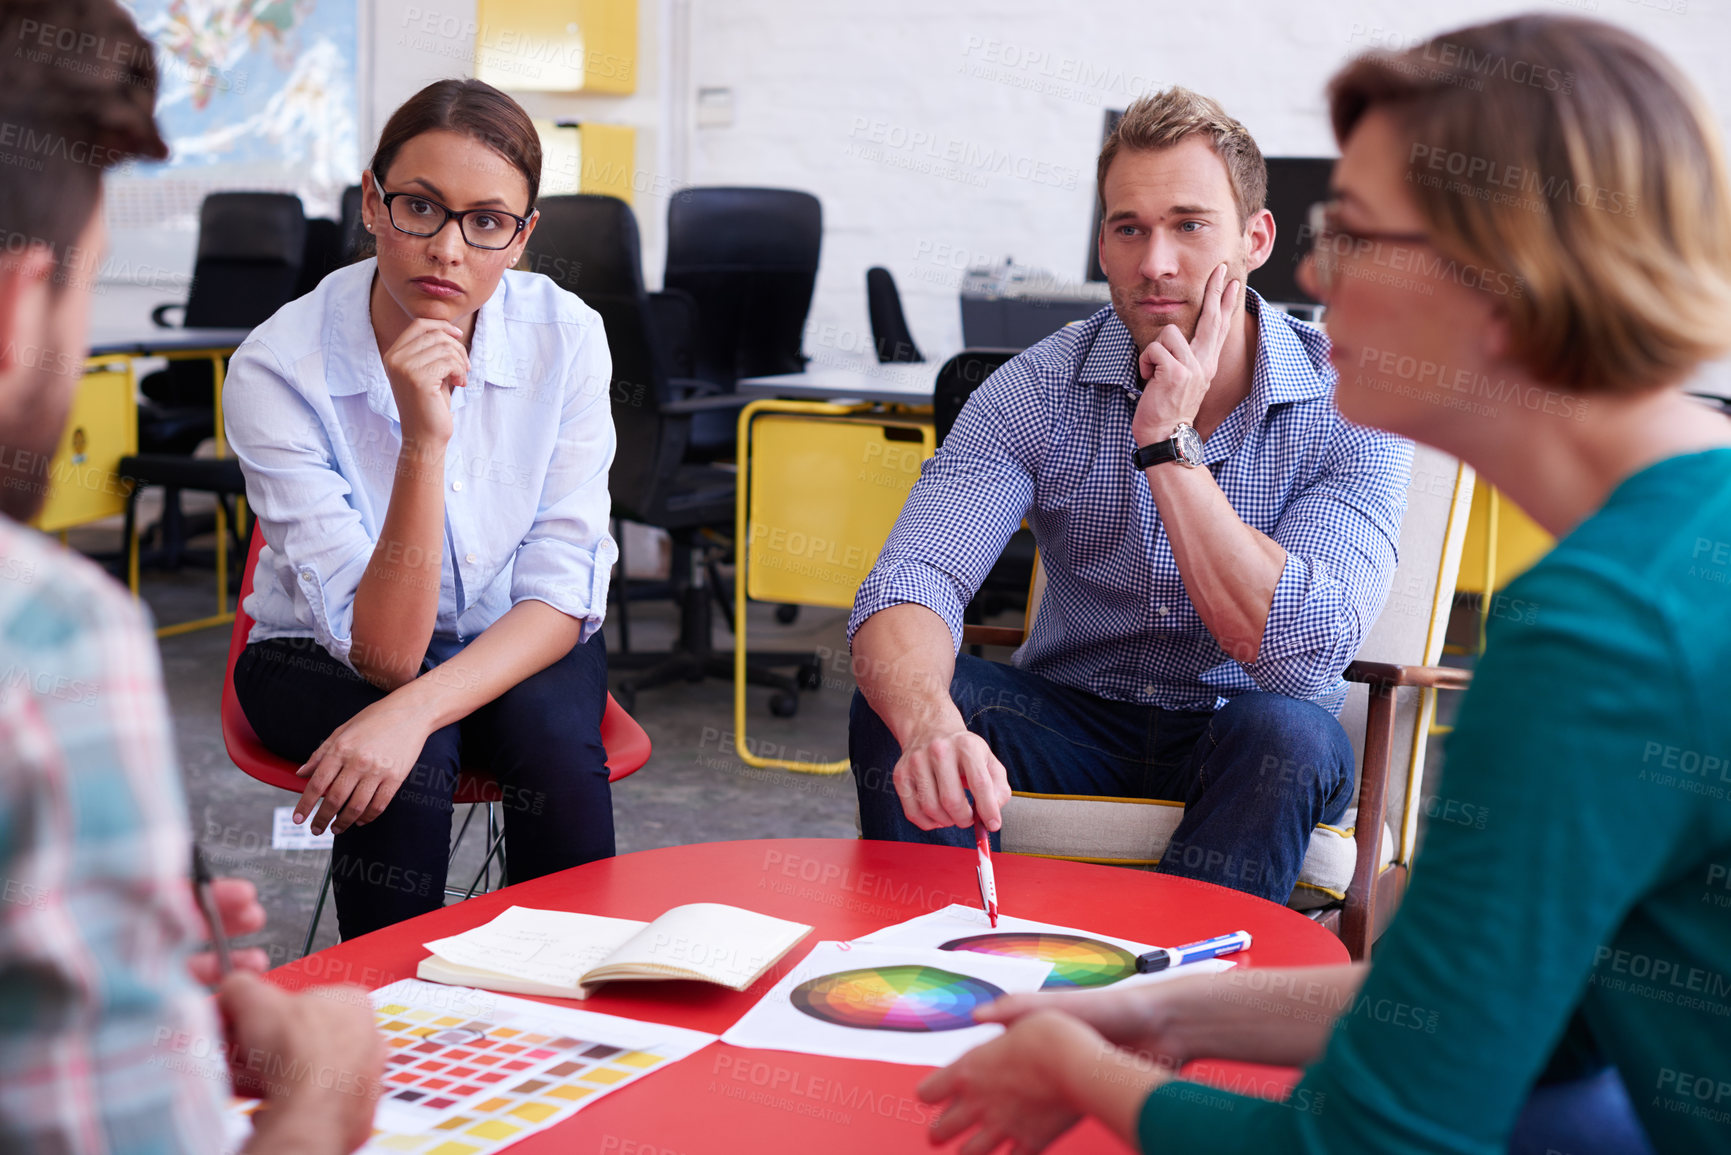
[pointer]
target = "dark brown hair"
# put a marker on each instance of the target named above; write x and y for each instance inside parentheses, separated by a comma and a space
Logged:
(77, 96)
(1163, 119)
(474, 108)
(1576, 158)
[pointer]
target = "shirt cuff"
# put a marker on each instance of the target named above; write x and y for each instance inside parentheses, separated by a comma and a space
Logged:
(909, 581)
(571, 579)
(1301, 634)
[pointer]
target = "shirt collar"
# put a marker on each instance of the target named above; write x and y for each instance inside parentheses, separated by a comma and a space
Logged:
(1283, 373)
(357, 367)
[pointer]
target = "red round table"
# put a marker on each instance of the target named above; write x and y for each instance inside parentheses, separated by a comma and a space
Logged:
(728, 1098)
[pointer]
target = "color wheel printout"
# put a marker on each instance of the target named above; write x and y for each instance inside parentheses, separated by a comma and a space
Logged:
(1079, 958)
(896, 1004)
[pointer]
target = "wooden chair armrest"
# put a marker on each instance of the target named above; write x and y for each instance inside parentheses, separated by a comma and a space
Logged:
(1389, 674)
(992, 636)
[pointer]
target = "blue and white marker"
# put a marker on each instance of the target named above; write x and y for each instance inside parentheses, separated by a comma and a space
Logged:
(1177, 956)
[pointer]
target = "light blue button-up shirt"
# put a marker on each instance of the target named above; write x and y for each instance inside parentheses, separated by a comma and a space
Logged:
(310, 415)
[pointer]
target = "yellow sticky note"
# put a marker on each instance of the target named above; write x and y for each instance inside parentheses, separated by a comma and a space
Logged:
(534, 1112)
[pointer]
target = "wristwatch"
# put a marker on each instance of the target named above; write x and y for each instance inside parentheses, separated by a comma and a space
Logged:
(1184, 447)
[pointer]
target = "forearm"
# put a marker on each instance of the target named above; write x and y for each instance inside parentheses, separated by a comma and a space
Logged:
(527, 638)
(1283, 1016)
(904, 660)
(397, 601)
(1230, 570)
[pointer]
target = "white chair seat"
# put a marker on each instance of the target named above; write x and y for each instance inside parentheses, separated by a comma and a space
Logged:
(1136, 831)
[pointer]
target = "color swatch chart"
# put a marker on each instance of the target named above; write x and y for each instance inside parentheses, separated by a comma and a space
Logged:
(469, 1072)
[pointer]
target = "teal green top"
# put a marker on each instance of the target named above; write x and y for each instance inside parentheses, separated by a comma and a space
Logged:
(1578, 858)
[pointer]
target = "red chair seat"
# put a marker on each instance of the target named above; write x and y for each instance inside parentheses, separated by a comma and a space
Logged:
(627, 745)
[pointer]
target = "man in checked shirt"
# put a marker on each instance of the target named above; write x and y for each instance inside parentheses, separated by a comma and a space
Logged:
(1216, 540)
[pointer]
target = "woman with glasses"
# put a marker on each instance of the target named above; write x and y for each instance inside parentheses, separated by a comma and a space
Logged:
(426, 438)
(1526, 260)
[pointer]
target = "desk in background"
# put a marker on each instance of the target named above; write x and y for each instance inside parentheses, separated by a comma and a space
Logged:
(727, 1098)
(127, 343)
(892, 384)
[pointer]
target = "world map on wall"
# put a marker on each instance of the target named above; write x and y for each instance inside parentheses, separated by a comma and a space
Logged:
(255, 94)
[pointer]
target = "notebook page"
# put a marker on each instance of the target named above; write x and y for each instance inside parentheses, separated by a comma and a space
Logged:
(724, 944)
(555, 947)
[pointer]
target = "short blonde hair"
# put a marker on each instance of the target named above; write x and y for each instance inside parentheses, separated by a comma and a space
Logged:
(1574, 157)
(1162, 119)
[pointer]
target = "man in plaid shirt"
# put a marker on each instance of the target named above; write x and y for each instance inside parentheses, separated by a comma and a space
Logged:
(1216, 540)
(107, 1044)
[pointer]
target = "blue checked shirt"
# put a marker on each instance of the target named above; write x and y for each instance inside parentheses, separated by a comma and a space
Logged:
(1047, 438)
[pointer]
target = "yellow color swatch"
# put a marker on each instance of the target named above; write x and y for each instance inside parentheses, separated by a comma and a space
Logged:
(454, 1124)
(569, 1091)
(393, 1009)
(604, 1075)
(492, 1105)
(494, 1129)
(534, 1112)
(637, 1059)
(402, 1142)
(454, 1148)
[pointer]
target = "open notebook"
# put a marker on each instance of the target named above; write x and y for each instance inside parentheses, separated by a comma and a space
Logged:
(564, 954)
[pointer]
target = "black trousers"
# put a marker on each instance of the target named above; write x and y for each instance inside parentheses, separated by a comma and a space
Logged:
(541, 739)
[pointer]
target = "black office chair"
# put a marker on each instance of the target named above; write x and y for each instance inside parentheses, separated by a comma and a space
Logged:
(891, 337)
(589, 245)
(748, 258)
(1006, 586)
(252, 248)
(350, 223)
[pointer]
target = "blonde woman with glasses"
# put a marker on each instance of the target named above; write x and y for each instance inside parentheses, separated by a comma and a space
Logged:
(1526, 259)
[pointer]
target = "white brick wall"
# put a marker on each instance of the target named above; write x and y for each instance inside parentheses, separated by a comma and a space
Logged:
(936, 131)
(940, 133)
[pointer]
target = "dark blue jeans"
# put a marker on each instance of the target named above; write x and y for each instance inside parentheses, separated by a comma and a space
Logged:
(541, 739)
(1255, 777)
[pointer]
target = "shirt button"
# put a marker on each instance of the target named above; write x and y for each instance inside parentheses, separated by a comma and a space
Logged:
(457, 485)
(470, 558)
(306, 575)
(1161, 610)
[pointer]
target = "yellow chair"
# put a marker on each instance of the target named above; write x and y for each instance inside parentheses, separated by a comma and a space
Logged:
(84, 479)
(820, 486)
(1354, 874)
(1502, 543)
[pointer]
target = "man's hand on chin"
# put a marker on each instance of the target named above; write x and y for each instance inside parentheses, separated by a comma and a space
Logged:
(1178, 372)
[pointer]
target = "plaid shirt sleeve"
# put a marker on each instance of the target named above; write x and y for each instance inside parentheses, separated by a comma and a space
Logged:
(1341, 534)
(967, 502)
(106, 1044)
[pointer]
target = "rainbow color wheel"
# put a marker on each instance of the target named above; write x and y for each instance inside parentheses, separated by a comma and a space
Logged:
(895, 998)
(1076, 961)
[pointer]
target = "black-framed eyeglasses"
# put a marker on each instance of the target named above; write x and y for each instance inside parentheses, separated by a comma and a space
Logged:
(422, 216)
(1330, 244)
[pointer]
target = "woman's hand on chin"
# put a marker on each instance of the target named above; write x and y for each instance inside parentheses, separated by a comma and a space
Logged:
(358, 769)
(424, 365)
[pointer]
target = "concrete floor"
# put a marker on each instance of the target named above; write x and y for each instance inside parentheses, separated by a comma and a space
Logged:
(695, 788)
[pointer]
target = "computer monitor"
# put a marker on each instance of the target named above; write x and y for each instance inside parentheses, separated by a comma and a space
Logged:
(1294, 184)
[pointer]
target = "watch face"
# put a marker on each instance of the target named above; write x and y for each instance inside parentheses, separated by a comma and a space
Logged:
(1189, 445)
